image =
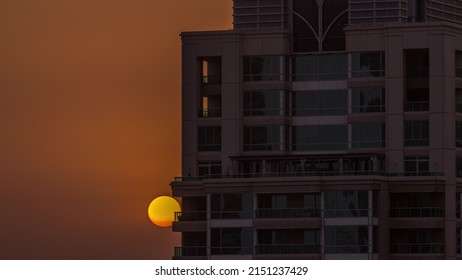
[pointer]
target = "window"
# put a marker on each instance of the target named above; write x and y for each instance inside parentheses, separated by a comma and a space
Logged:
(319, 67)
(319, 102)
(416, 133)
(458, 205)
(459, 64)
(367, 100)
(288, 241)
(263, 103)
(262, 138)
(417, 99)
(347, 239)
(264, 68)
(209, 168)
(231, 241)
(459, 167)
(232, 205)
(368, 64)
(209, 138)
(211, 70)
(416, 166)
(319, 137)
(368, 135)
(459, 134)
(346, 204)
(458, 100)
(295, 205)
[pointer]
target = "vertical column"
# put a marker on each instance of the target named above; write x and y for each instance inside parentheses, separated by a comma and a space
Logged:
(394, 102)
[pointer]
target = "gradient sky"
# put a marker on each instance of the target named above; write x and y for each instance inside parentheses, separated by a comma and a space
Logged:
(90, 123)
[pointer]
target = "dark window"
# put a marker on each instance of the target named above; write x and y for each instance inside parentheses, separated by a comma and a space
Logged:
(368, 64)
(231, 241)
(416, 166)
(367, 100)
(458, 64)
(346, 239)
(459, 134)
(459, 167)
(305, 26)
(319, 67)
(319, 102)
(458, 205)
(334, 20)
(209, 138)
(231, 205)
(417, 99)
(417, 63)
(368, 135)
(264, 68)
(459, 100)
(209, 168)
(262, 138)
(416, 133)
(263, 103)
(326, 137)
(346, 204)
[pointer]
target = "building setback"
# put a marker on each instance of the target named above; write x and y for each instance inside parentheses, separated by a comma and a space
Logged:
(323, 130)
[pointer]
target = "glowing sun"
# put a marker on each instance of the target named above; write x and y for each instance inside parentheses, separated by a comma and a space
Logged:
(162, 210)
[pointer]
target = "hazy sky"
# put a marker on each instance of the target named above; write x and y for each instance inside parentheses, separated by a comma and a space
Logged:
(90, 123)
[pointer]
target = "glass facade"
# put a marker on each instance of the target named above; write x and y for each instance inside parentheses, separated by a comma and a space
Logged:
(264, 103)
(319, 102)
(231, 241)
(368, 100)
(346, 204)
(416, 133)
(209, 138)
(319, 137)
(232, 206)
(368, 135)
(346, 239)
(319, 67)
(296, 205)
(458, 134)
(368, 64)
(414, 166)
(262, 138)
(288, 241)
(209, 168)
(264, 68)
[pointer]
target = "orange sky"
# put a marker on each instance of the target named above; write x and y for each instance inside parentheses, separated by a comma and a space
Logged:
(90, 123)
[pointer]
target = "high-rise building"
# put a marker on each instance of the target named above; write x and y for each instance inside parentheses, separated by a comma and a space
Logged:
(323, 129)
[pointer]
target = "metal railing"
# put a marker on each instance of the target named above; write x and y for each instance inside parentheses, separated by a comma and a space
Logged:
(209, 112)
(271, 213)
(190, 216)
(346, 249)
(416, 248)
(415, 106)
(331, 213)
(190, 251)
(308, 174)
(416, 212)
(231, 250)
(368, 109)
(231, 215)
(287, 249)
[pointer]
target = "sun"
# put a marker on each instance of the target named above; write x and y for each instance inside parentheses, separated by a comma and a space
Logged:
(162, 210)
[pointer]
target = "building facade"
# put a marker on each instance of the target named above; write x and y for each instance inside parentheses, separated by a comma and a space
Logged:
(322, 129)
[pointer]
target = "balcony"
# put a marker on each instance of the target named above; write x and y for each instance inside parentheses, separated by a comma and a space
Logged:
(416, 248)
(416, 106)
(336, 213)
(416, 212)
(209, 113)
(231, 250)
(190, 251)
(277, 249)
(231, 215)
(346, 249)
(269, 213)
(190, 216)
(211, 80)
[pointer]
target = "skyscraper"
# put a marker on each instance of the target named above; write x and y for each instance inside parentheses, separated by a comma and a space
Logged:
(323, 130)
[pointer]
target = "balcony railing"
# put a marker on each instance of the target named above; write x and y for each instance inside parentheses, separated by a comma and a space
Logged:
(231, 250)
(190, 251)
(416, 212)
(209, 112)
(211, 80)
(416, 106)
(309, 174)
(287, 249)
(265, 213)
(346, 249)
(331, 213)
(231, 214)
(190, 216)
(416, 248)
